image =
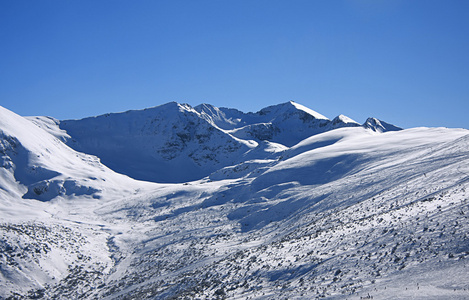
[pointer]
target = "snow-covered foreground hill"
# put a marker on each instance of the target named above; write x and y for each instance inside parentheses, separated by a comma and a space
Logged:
(345, 212)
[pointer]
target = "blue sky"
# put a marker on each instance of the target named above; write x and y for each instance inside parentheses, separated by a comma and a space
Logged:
(405, 62)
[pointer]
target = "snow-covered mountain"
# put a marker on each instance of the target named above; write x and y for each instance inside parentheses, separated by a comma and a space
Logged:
(178, 143)
(168, 143)
(38, 165)
(282, 203)
(286, 123)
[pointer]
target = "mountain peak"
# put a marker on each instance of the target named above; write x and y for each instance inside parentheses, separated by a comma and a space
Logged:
(379, 126)
(289, 108)
(315, 114)
(173, 106)
(341, 119)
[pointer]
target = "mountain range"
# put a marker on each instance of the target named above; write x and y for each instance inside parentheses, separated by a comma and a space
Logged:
(181, 202)
(178, 143)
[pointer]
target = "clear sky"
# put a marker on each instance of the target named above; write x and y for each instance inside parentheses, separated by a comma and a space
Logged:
(405, 62)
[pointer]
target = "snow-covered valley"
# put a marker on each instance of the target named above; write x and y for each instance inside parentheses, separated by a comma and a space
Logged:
(279, 204)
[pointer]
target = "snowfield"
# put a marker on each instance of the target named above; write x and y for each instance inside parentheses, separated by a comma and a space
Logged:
(176, 202)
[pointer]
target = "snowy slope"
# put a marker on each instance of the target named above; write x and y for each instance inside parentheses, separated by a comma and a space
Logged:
(367, 213)
(38, 165)
(41, 182)
(346, 213)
